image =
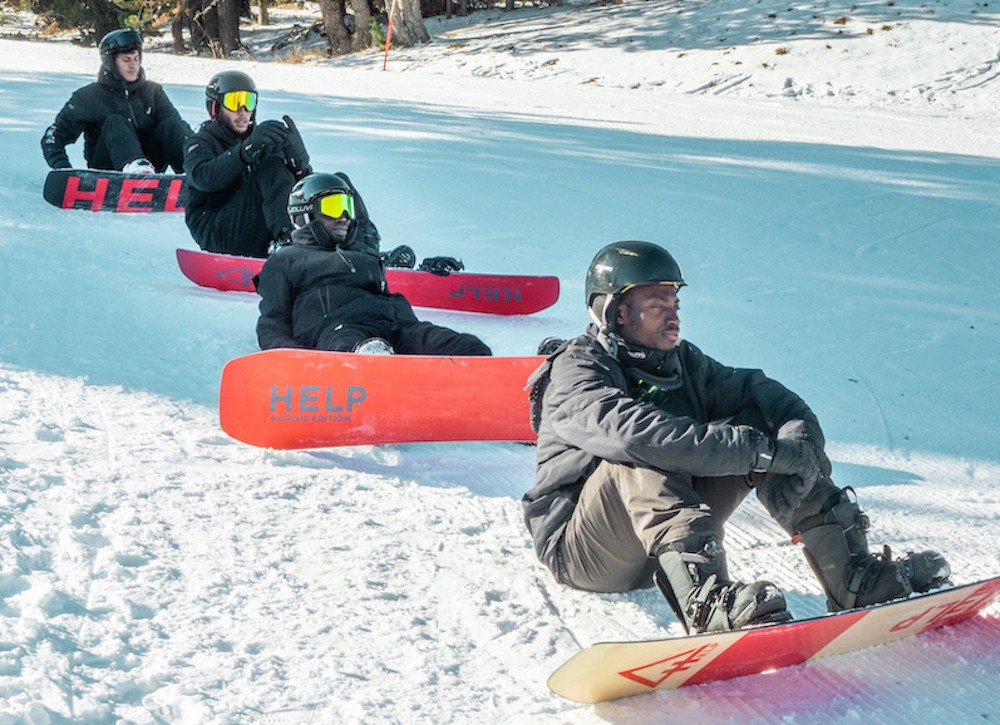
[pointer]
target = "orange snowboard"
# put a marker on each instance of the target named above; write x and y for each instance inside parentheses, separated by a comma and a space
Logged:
(313, 399)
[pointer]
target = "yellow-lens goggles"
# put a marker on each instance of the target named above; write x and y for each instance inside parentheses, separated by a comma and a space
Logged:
(335, 205)
(235, 100)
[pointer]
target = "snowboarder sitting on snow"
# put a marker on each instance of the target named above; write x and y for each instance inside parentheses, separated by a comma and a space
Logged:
(128, 123)
(327, 289)
(646, 446)
(240, 171)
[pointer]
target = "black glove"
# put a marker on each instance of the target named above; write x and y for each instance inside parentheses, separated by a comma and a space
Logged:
(441, 266)
(796, 461)
(795, 458)
(294, 151)
(785, 494)
(264, 140)
(825, 467)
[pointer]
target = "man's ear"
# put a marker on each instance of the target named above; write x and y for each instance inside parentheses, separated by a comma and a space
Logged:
(619, 313)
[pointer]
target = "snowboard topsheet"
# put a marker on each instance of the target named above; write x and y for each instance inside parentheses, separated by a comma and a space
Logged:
(98, 190)
(610, 670)
(497, 294)
(310, 399)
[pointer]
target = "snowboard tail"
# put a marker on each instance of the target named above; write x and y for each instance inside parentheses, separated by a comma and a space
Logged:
(114, 191)
(310, 399)
(497, 294)
(610, 670)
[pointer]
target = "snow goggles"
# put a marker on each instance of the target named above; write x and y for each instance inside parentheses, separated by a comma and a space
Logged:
(120, 41)
(335, 205)
(235, 100)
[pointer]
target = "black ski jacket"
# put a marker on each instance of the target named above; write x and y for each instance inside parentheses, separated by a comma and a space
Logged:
(144, 103)
(214, 172)
(588, 406)
(311, 285)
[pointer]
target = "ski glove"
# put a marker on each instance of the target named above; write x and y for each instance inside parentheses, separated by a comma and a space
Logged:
(264, 140)
(825, 468)
(294, 152)
(785, 494)
(796, 460)
(441, 266)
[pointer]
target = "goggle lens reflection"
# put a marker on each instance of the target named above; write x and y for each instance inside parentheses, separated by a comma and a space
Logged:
(335, 205)
(235, 100)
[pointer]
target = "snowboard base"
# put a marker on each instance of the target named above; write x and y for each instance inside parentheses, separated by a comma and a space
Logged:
(611, 670)
(114, 191)
(311, 399)
(495, 294)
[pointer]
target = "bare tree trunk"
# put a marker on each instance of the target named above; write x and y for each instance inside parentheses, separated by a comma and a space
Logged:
(177, 25)
(229, 25)
(337, 37)
(408, 28)
(203, 24)
(262, 14)
(361, 38)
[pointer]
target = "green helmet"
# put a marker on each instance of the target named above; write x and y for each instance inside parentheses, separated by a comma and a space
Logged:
(620, 266)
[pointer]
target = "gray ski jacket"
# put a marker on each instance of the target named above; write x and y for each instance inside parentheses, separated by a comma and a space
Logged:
(588, 406)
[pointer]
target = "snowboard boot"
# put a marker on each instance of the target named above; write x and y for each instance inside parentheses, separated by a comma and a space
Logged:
(402, 256)
(693, 577)
(836, 547)
(139, 166)
(373, 346)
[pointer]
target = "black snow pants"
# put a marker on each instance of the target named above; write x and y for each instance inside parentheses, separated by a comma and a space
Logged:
(118, 144)
(406, 338)
(254, 216)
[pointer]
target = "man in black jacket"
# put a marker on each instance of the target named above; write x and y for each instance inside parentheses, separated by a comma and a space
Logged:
(327, 290)
(239, 172)
(646, 446)
(127, 122)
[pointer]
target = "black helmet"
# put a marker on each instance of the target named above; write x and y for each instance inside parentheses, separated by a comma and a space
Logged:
(118, 41)
(223, 83)
(620, 266)
(308, 192)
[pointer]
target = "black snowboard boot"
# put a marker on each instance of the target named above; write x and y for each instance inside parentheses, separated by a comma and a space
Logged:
(836, 547)
(693, 577)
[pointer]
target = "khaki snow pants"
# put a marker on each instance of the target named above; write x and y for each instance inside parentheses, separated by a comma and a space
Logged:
(626, 512)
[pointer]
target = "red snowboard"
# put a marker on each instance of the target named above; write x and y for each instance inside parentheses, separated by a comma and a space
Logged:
(496, 294)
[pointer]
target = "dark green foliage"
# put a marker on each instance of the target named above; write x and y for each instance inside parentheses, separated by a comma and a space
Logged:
(94, 18)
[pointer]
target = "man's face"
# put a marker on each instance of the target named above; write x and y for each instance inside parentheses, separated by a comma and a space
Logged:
(237, 121)
(336, 228)
(128, 64)
(648, 316)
